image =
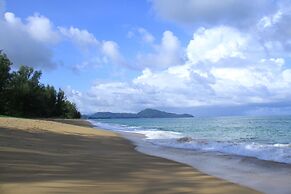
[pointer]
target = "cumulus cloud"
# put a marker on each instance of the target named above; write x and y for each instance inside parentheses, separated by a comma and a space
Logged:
(260, 83)
(82, 38)
(117, 96)
(31, 42)
(27, 42)
(228, 87)
(111, 52)
(223, 68)
(215, 44)
(37, 26)
(242, 70)
(168, 53)
(41, 28)
(220, 66)
(100, 51)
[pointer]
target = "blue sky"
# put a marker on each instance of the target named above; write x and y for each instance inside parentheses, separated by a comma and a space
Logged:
(206, 57)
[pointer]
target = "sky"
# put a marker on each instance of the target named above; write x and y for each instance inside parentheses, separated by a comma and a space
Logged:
(207, 58)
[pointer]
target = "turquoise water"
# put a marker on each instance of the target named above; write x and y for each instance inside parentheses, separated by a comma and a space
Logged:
(266, 138)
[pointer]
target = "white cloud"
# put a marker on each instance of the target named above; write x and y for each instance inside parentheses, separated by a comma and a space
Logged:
(80, 37)
(116, 96)
(100, 51)
(286, 75)
(269, 21)
(215, 44)
(22, 45)
(31, 42)
(37, 26)
(167, 53)
(41, 28)
(11, 19)
(110, 50)
(223, 67)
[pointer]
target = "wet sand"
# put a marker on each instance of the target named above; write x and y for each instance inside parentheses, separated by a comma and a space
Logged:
(38, 156)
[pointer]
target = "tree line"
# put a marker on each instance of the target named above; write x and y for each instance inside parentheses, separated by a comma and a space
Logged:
(22, 94)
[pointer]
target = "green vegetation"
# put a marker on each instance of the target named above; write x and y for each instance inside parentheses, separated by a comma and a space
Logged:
(22, 95)
(146, 113)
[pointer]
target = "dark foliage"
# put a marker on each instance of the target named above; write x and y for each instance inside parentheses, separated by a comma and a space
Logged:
(22, 95)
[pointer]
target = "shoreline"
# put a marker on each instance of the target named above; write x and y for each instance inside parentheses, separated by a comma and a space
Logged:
(265, 176)
(261, 175)
(46, 156)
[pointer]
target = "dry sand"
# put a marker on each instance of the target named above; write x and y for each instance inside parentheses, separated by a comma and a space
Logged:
(38, 156)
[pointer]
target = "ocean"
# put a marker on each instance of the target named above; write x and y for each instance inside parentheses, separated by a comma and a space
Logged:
(265, 138)
(240, 149)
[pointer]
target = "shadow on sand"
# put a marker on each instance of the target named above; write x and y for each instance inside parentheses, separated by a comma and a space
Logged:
(96, 164)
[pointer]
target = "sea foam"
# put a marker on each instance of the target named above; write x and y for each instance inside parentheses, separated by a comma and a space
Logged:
(273, 152)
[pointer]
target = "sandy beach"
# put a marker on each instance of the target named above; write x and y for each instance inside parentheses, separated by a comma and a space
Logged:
(38, 156)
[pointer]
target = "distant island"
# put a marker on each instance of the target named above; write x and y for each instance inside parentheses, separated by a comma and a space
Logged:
(146, 113)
